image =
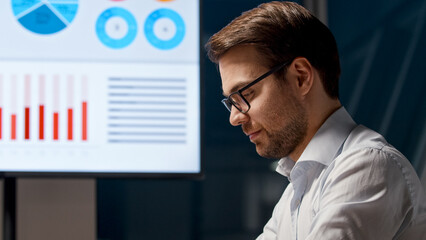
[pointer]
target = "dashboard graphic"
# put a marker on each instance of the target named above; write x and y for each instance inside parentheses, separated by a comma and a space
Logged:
(100, 87)
(45, 16)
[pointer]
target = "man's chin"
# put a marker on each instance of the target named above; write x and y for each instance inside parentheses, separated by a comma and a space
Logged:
(259, 150)
(264, 153)
(268, 153)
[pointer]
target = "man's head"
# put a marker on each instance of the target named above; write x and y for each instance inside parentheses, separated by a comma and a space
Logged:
(276, 121)
(279, 67)
(282, 31)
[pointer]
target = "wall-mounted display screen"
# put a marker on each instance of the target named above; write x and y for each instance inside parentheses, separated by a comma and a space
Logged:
(100, 86)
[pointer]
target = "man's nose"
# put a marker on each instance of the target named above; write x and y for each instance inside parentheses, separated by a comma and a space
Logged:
(237, 118)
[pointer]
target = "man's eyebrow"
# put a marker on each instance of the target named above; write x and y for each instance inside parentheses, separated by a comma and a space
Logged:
(236, 88)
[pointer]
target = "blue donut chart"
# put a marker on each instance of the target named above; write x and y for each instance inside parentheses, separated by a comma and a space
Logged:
(112, 42)
(157, 42)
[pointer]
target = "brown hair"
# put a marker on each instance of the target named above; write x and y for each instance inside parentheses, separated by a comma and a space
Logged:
(282, 31)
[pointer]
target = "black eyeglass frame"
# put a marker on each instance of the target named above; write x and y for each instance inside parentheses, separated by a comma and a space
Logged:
(228, 102)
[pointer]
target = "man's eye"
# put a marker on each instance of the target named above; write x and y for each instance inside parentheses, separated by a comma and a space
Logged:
(247, 94)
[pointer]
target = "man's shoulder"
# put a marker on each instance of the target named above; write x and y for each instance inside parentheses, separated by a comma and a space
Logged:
(367, 153)
(369, 170)
(365, 144)
(362, 137)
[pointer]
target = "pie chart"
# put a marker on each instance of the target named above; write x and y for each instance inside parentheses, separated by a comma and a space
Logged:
(45, 16)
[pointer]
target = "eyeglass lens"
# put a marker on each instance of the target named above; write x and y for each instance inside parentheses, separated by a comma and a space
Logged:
(236, 100)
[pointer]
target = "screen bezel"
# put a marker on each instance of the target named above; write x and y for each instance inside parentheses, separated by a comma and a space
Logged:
(152, 175)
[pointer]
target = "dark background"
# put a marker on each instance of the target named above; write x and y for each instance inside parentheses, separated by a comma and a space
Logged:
(383, 57)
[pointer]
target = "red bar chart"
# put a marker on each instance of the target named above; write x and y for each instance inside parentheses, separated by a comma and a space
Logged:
(44, 108)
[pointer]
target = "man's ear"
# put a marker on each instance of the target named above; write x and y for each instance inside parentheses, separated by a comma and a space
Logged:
(304, 75)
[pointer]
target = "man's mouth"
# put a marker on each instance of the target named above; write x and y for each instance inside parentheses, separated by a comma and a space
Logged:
(253, 135)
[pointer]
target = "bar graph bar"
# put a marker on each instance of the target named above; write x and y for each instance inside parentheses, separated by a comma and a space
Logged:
(84, 121)
(70, 123)
(41, 122)
(13, 100)
(56, 108)
(13, 127)
(55, 126)
(42, 82)
(84, 94)
(27, 123)
(70, 94)
(27, 106)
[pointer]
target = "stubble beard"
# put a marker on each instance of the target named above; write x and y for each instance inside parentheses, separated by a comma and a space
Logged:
(283, 141)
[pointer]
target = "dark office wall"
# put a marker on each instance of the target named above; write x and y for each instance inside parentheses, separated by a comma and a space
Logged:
(382, 85)
(383, 56)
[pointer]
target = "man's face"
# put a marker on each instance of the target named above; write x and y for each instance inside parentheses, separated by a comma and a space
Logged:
(276, 121)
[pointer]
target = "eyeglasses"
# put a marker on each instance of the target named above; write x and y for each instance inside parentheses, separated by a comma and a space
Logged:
(237, 99)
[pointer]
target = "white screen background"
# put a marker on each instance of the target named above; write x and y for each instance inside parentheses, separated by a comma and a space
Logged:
(143, 106)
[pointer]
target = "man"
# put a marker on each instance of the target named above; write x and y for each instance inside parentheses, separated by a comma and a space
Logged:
(280, 68)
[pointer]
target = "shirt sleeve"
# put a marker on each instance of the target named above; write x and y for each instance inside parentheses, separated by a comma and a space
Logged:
(269, 229)
(364, 196)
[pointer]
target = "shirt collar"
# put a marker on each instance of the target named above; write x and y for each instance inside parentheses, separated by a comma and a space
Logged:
(325, 144)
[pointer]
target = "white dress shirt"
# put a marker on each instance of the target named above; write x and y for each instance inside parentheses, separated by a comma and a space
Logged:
(349, 183)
